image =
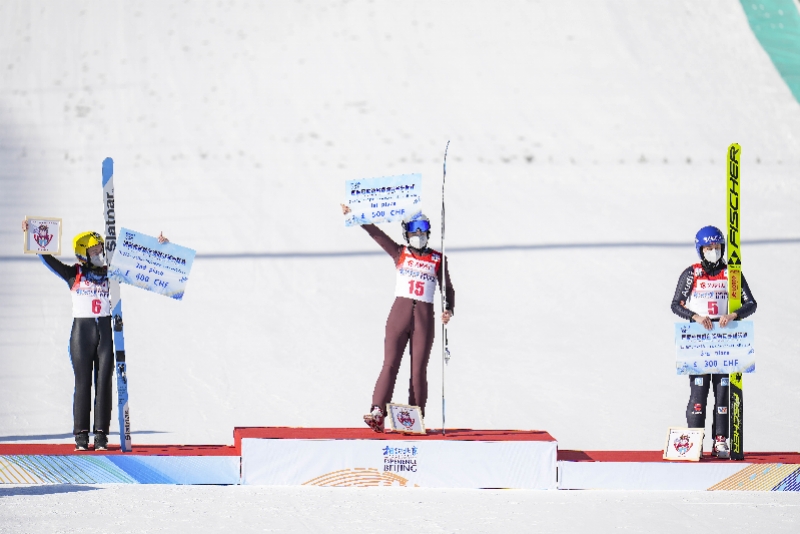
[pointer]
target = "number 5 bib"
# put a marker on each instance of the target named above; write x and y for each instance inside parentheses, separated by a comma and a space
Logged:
(709, 295)
(416, 275)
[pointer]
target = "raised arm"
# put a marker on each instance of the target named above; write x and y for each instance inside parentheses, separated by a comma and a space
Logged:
(67, 272)
(386, 243)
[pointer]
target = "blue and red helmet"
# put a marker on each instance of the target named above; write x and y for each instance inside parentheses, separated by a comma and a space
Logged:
(708, 235)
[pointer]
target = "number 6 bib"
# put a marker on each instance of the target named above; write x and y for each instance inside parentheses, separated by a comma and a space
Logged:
(90, 296)
(416, 275)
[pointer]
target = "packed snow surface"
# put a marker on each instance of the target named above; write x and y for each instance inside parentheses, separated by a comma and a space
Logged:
(588, 144)
(250, 509)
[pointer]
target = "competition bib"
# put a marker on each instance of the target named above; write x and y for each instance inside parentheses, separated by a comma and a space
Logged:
(90, 297)
(709, 295)
(416, 275)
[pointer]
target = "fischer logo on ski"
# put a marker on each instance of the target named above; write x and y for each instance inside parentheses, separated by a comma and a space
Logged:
(736, 398)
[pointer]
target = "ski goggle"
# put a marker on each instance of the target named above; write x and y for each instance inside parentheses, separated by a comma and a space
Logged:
(413, 226)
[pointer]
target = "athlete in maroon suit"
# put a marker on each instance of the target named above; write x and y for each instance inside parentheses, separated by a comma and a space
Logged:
(411, 319)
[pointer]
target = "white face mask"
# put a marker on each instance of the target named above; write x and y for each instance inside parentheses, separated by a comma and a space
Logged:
(713, 255)
(418, 241)
(98, 261)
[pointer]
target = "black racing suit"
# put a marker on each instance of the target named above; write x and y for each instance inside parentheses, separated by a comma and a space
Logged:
(700, 384)
(91, 351)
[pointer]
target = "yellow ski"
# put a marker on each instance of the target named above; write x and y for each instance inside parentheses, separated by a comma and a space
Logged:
(736, 403)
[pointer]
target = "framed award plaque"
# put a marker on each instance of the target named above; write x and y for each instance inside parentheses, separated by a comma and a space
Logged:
(43, 236)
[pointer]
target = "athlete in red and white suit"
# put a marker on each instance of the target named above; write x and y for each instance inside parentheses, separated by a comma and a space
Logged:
(411, 319)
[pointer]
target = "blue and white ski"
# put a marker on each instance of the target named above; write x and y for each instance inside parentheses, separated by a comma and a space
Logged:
(116, 308)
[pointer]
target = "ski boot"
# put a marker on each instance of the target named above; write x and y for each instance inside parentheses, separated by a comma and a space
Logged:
(374, 419)
(82, 441)
(100, 441)
(721, 449)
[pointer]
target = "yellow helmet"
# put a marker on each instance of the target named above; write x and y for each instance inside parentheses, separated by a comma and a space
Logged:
(84, 241)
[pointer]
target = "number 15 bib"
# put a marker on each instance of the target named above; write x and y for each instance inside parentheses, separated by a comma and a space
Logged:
(416, 275)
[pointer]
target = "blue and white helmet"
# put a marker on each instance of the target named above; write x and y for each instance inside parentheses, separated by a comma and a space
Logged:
(708, 235)
(417, 222)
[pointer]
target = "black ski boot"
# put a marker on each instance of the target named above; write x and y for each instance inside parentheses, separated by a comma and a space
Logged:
(82, 441)
(100, 441)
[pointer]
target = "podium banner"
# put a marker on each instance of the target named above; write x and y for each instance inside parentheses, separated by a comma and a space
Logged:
(384, 199)
(402, 463)
(718, 351)
(141, 261)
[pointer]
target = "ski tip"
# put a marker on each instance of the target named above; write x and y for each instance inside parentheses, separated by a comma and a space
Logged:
(108, 170)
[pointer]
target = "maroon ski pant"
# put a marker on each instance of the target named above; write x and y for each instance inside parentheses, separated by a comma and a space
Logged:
(409, 321)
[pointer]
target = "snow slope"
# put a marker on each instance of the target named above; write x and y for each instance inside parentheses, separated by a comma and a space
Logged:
(588, 145)
(187, 509)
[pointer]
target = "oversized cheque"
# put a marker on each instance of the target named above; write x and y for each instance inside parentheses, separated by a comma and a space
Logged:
(141, 261)
(384, 199)
(718, 351)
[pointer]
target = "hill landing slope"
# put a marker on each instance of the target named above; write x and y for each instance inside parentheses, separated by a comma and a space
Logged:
(587, 147)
